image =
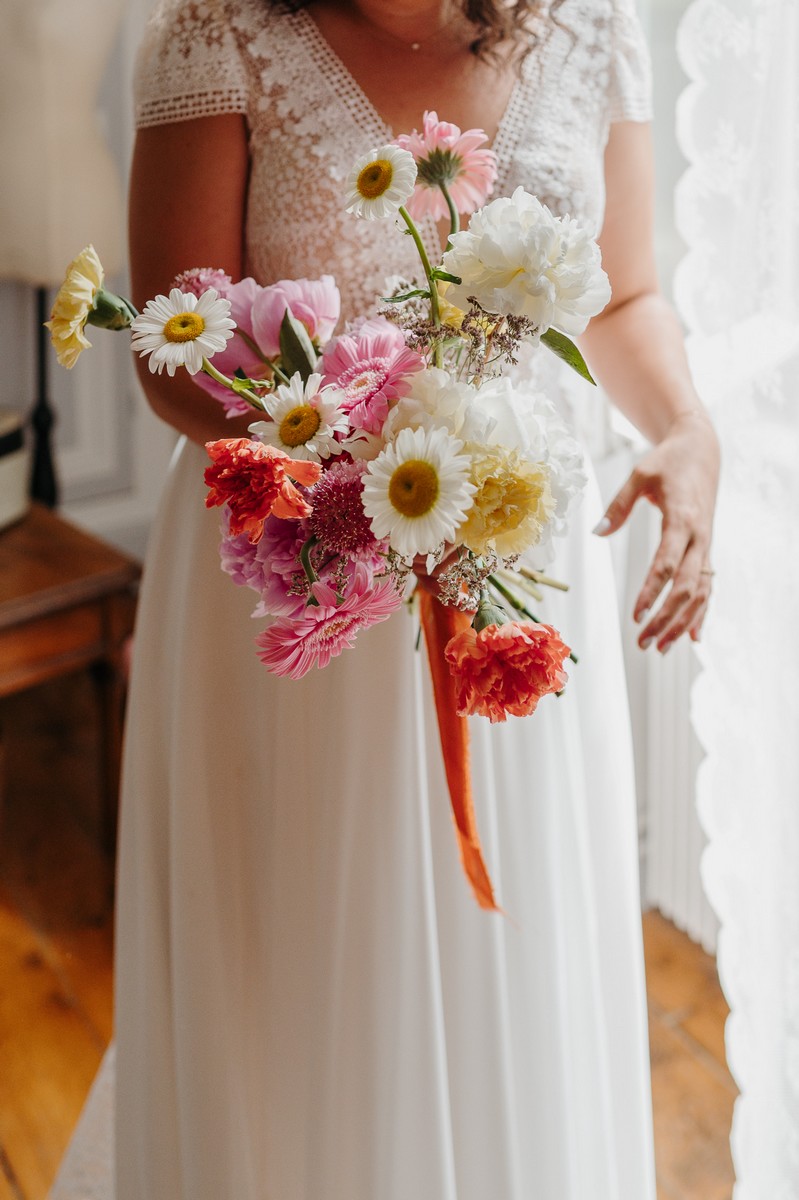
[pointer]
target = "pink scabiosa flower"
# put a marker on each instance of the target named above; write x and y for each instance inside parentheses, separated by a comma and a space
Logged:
(293, 646)
(373, 368)
(458, 160)
(315, 302)
(338, 520)
(200, 279)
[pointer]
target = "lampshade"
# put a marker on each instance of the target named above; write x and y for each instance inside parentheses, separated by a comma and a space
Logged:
(61, 189)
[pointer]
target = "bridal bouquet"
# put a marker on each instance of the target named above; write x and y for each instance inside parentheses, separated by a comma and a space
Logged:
(397, 448)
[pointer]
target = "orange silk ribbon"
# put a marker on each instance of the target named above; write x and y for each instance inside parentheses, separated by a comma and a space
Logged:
(440, 623)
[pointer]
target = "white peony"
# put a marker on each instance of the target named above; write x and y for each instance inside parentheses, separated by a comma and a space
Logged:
(530, 423)
(517, 258)
(437, 401)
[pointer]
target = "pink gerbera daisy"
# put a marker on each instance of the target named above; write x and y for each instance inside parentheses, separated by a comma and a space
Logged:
(294, 645)
(373, 368)
(458, 160)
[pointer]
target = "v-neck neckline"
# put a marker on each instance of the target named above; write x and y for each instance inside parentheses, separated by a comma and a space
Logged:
(366, 113)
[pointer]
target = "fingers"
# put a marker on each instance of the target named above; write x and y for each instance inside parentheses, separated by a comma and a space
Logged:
(671, 553)
(621, 506)
(685, 605)
(696, 625)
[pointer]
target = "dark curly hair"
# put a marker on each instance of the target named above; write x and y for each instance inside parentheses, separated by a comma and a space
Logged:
(522, 22)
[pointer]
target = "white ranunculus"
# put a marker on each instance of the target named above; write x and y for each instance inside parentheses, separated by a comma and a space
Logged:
(517, 258)
(529, 422)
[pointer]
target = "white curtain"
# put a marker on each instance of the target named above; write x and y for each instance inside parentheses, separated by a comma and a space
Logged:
(738, 292)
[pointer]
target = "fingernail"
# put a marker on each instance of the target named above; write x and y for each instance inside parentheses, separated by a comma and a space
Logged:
(646, 643)
(665, 649)
(603, 526)
(641, 616)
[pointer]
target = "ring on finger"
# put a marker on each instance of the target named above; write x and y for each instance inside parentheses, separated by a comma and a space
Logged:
(707, 571)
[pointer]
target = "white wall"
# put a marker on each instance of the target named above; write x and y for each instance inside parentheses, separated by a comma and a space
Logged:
(112, 453)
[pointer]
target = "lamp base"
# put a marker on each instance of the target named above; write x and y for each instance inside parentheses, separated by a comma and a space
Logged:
(14, 468)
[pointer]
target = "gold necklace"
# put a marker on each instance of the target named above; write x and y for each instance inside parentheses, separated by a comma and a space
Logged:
(415, 45)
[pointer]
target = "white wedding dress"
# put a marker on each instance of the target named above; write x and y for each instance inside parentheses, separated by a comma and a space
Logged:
(310, 1004)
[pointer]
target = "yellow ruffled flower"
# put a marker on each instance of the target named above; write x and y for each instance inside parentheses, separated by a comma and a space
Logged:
(450, 315)
(511, 505)
(73, 304)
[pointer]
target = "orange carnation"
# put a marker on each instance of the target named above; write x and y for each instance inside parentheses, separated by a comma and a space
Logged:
(505, 668)
(255, 480)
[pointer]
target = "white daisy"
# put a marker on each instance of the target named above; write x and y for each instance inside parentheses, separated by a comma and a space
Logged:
(305, 419)
(380, 182)
(181, 329)
(417, 492)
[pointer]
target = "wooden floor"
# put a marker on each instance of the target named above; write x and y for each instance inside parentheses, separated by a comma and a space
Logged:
(56, 970)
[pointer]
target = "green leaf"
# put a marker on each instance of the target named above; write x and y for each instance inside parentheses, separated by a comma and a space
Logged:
(406, 296)
(440, 273)
(296, 348)
(241, 384)
(566, 350)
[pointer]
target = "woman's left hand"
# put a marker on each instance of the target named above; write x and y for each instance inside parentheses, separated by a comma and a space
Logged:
(679, 475)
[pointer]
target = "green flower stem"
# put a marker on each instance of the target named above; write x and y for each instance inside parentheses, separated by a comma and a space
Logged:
(512, 599)
(428, 270)
(249, 396)
(518, 580)
(543, 580)
(307, 566)
(278, 371)
(454, 218)
(517, 604)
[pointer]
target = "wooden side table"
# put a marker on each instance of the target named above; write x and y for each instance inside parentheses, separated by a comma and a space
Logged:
(67, 602)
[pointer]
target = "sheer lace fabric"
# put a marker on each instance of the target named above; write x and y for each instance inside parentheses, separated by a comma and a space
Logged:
(738, 290)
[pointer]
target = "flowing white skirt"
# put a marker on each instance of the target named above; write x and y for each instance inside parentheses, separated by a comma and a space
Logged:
(310, 1005)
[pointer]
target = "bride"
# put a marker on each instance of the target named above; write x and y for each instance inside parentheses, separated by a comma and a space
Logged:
(310, 1006)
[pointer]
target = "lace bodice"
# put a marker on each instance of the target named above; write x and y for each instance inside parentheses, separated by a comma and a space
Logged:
(308, 120)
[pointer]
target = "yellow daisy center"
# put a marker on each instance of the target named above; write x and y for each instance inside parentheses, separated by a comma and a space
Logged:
(375, 178)
(184, 327)
(413, 488)
(299, 425)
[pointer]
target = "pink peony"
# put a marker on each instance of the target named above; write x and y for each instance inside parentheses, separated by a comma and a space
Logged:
(505, 668)
(293, 646)
(254, 480)
(283, 584)
(373, 369)
(240, 558)
(315, 302)
(239, 353)
(445, 155)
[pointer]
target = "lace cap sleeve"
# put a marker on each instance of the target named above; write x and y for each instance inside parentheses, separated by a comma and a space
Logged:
(189, 64)
(630, 90)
